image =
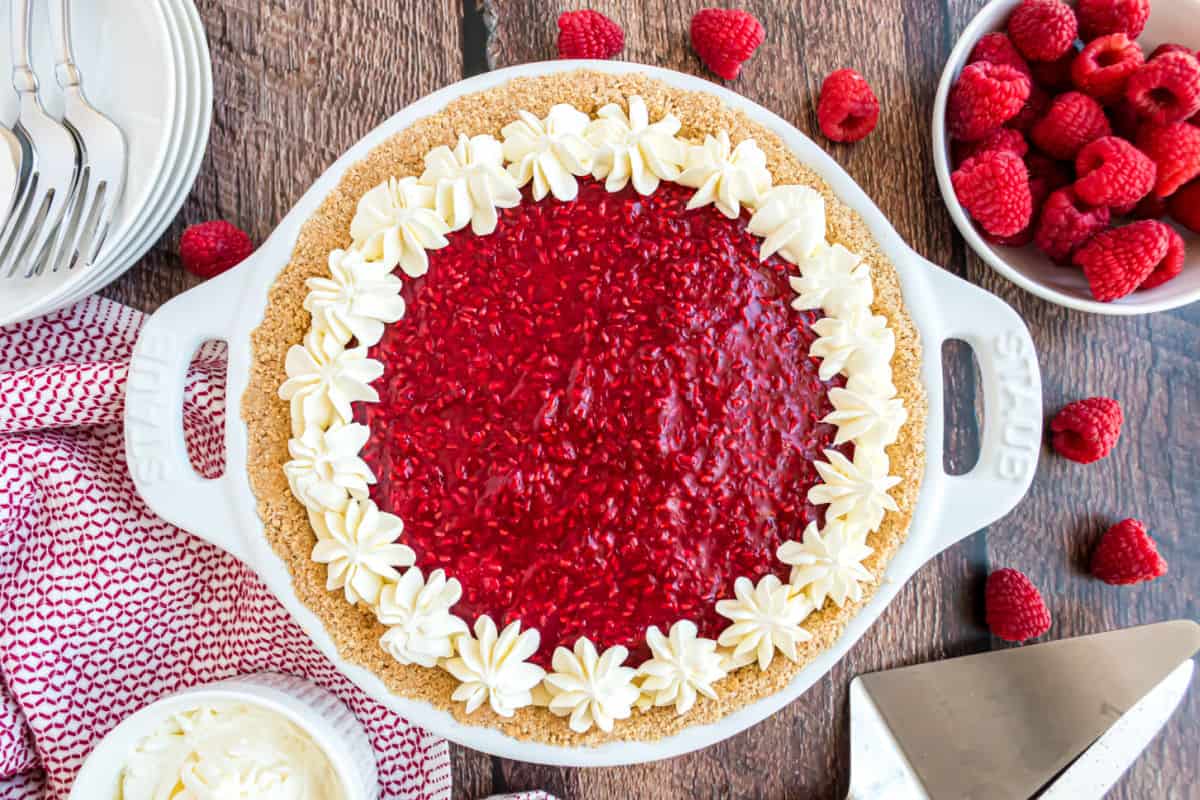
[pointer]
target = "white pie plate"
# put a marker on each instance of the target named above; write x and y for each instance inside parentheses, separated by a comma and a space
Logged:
(223, 510)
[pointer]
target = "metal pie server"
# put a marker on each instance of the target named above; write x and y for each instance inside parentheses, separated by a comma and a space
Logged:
(1058, 720)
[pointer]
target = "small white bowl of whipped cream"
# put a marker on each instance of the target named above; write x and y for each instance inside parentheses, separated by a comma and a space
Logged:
(261, 737)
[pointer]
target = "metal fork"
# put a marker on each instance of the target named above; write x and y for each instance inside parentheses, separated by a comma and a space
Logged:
(30, 234)
(103, 149)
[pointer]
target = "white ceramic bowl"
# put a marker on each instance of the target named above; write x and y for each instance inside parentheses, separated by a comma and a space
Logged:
(1170, 21)
(318, 713)
(224, 510)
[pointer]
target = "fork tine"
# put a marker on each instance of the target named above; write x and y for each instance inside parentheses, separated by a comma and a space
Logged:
(82, 253)
(26, 236)
(16, 224)
(98, 225)
(65, 242)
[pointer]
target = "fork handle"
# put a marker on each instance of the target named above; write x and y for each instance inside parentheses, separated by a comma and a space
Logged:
(23, 78)
(65, 70)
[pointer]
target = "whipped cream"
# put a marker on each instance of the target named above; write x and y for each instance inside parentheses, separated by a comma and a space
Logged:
(324, 378)
(683, 665)
(231, 751)
(833, 279)
(866, 413)
(590, 688)
(855, 490)
(791, 222)
(855, 343)
(728, 178)
(421, 629)
(395, 223)
(550, 152)
(359, 546)
(325, 470)
(492, 666)
(469, 183)
(356, 300)
(765, 618)
(828, 563)
(630, 147)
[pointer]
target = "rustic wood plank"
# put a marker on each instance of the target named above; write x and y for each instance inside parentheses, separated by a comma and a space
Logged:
(296, 83)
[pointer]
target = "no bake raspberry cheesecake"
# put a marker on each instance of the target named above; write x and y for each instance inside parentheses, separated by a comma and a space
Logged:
(585, 411)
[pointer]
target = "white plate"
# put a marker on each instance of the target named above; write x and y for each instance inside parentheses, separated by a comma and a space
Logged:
(225, 512)
(193, 83)
(196, 89)
(130, 73)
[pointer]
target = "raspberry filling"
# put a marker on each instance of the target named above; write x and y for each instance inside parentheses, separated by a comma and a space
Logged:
(599, 416)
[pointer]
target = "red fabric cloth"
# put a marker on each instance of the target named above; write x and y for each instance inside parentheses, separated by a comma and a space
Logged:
(103, 606)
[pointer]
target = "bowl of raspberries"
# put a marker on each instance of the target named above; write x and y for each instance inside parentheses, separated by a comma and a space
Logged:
(1066, 140)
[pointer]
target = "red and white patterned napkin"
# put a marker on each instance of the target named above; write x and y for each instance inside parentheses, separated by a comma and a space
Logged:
(103, 606)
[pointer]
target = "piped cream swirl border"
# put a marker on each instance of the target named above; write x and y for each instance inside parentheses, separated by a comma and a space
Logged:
(395, 225)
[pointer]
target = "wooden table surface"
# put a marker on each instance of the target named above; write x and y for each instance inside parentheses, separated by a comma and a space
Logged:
(299, 81)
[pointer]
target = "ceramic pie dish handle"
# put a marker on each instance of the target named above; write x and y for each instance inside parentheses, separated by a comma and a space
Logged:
(154, 440)
(1012, 404)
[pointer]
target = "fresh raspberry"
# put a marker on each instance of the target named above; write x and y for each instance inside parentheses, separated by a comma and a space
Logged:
(993, 187)
(1184, 206)
(1171, 264)
(1032, 111)
(1073, 120)
(1056, 74)
(1040, 187)
(1102, 17)
(210, 248)
(725, 39)
(1169, 47)
(1166, 89)
(1116, 261)
(1042, 30)
(1087, 430)
(1112, 172)
(1006, 139)
(1126, 554)
(1175, 149)
(997, 48)
(1014, 608)
(847, 109)
(1103, 67)
(984, 97)
(1066, 223)
(588, 34)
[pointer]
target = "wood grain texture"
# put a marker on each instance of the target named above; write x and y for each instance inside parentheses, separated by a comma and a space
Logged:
(297, 82)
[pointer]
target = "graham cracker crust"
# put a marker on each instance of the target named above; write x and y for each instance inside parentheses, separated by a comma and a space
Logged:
(354, 628)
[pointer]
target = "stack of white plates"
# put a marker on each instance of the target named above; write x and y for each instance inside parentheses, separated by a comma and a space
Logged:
(145, 64)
